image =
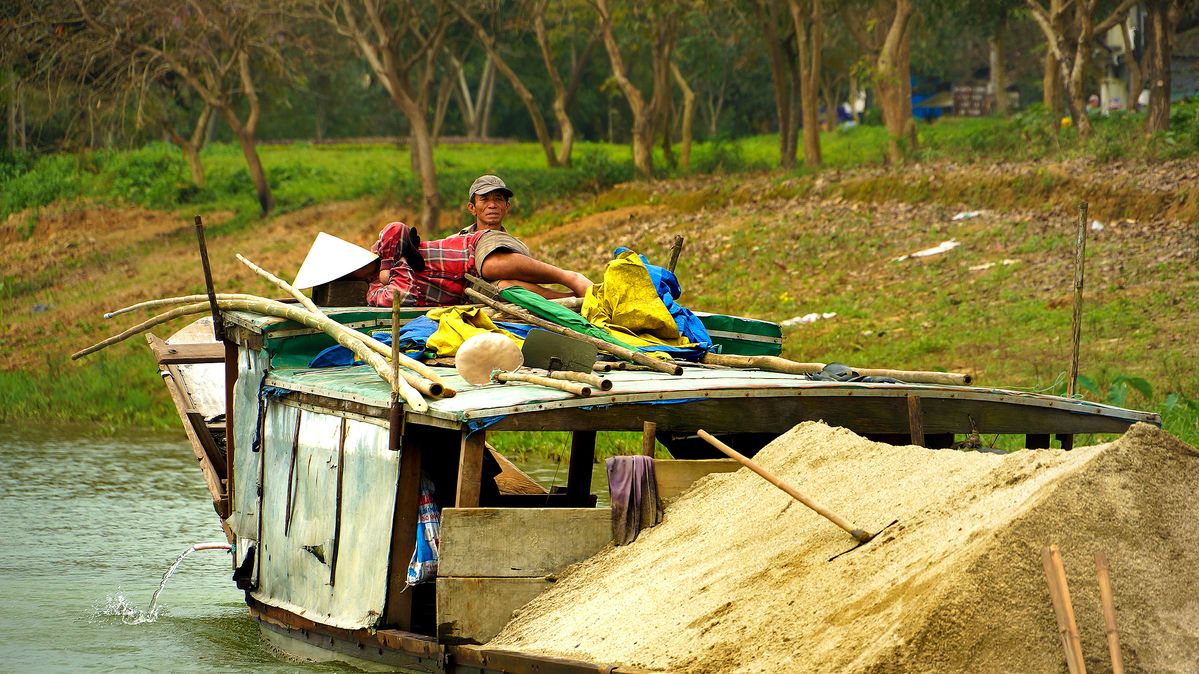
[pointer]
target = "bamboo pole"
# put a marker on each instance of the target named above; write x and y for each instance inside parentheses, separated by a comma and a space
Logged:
(351, 339)
(1059, 592)
(618, 351)
(173, 301)
(1109, 612)
(776, 364)
(568, 375)
(581, 390)
(300, 297)
(373, 344)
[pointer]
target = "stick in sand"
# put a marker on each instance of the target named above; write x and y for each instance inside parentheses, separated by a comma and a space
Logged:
(1109, 612)
(858, 533)
(1080, 255)
(1059, 593)
(608, 347)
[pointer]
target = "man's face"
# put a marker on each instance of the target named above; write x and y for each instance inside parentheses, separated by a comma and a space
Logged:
(489, 209)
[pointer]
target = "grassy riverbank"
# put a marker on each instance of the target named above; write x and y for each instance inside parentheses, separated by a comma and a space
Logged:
(87, 234)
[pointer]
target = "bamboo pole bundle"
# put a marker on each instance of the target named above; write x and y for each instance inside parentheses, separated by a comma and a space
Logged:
(355, 341)
(372, 344)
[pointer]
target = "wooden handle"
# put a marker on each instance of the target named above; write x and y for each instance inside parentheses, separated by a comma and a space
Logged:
(776, 364)
(608, 347)
(581, 390)
(1109, 612)
(859, 534)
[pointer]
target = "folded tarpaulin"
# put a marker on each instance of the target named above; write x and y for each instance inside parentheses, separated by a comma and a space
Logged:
(455, 325)
(634, 495)
(669, 291)
(630, 304)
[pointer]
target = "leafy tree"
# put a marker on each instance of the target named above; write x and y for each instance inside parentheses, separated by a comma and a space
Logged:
(882, 29)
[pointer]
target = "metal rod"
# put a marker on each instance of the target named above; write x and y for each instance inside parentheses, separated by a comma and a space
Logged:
(218, 326)
(1080, 252)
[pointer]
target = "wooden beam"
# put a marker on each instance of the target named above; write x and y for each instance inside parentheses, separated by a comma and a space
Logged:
(397, 608)
(649, 438)
(1036, 441)
(1066, 439)
(186, 354)
(470, 469)
(673, 476)
(578, 474)
(207, 442)
(916, 421)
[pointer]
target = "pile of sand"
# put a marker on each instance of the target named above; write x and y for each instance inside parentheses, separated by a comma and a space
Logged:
(738, 578)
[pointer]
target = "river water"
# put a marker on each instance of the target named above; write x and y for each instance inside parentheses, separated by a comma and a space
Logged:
(90, 523)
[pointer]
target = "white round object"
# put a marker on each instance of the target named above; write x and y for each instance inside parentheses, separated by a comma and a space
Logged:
(481, 354)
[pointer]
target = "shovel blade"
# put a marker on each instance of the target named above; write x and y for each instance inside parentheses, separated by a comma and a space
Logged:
(551, 351)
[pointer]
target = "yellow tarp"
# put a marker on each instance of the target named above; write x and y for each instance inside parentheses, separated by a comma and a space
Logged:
(627, 305)
(455, 325)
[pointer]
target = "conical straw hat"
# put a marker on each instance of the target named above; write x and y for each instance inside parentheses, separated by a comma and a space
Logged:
(329, 259)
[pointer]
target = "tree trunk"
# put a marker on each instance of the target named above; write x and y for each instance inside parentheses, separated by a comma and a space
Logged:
(496, 61)
(688, 117)
(566, 130)
(661, 101)
(998, 68)
(780, 78)
(809, 42)
(892, 82)
(249, 150)
(12, 111)
(643, 128)
(1136, 77)
(1051, 85)
(1160, 34)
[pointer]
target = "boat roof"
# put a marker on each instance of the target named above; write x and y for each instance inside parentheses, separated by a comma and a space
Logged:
(718, 399)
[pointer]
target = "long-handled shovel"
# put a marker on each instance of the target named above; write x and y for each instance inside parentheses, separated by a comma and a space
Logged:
(860, 535)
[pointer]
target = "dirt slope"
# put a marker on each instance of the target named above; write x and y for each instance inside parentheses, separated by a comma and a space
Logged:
(738, 578)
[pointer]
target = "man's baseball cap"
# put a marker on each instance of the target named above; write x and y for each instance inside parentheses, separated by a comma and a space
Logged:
(329, 259)
(486, 185)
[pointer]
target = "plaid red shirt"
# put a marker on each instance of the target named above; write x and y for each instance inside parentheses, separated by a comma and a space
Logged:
(443, 281)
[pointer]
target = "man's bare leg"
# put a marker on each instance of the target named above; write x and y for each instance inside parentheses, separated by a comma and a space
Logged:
(508, 266)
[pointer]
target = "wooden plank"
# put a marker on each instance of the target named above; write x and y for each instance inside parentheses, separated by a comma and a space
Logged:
(397, 608)
(1066, 439)
(470, 469)
(186, 354)
(578, 473)
(204, 435)
(1036, 441)
(473, 610)
(673, 477)
(864, 412)
(916, 421)
(519, 542)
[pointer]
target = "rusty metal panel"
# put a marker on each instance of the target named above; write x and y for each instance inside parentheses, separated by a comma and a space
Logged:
(330, 466)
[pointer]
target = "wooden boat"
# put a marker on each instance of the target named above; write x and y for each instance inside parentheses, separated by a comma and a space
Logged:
(315, 476)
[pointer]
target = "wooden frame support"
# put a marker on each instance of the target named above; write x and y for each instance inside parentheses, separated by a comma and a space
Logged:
(1066, 439)
(582, 457)
(1036, 441)
(397, 609)
(916, 421)
(470, 469)
(649, 438)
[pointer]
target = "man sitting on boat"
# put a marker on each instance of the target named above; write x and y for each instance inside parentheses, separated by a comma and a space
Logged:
(433, 273)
